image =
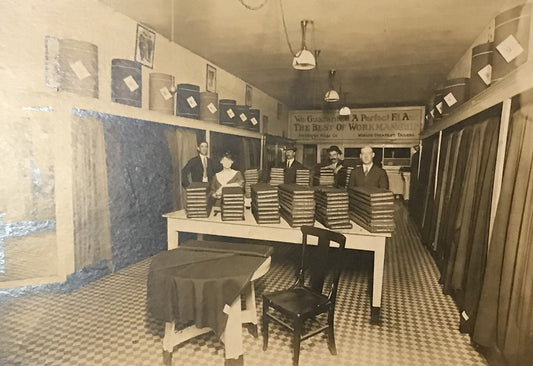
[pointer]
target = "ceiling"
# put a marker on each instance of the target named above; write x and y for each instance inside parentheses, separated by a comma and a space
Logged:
(385, 52)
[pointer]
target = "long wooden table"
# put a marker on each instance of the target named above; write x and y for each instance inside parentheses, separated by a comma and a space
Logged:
(356, 238)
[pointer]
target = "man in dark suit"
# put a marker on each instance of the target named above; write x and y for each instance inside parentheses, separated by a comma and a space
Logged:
(200, 168)
(368, 174)
(336, 163)
(291, 165)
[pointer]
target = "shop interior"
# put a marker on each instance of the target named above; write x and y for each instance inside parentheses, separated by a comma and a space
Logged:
(106, 101)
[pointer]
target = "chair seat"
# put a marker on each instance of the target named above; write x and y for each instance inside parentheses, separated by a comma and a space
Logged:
(297, 301)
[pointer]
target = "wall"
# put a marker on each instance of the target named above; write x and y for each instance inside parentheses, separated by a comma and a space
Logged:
(46, 149)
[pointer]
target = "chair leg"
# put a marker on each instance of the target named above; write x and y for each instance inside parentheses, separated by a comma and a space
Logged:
(331, 333)
(296, 338)
(264, 328)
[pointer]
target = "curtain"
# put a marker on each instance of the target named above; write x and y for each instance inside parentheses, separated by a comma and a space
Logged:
(447, 204)
(90, 196)
(427, 186)
(446, 242)
(182, 144)
(246, 151)
(504, 323)
(466, 237)
(422, 189)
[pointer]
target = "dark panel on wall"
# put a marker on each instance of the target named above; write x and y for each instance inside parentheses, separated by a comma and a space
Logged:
(141, 186)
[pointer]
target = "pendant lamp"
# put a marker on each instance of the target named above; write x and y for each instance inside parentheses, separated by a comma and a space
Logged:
(332, 95)
(344, 111)
(304, 59)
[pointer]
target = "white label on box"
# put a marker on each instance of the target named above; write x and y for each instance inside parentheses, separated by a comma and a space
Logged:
(450, 99)
(226, 309)
(465, 315)
(432, 112)
(191, 101)
(486, 74)
(165, 93)
(439, 107)
(131, 83)
(80, 70)
(254, 121)
(243, 117)
(509, 48)
(230, 113)
(212, 108)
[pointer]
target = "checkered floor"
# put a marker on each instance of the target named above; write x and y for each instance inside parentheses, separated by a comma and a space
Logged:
(106, 323)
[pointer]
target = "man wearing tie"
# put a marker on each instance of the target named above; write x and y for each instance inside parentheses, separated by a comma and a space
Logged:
(291, 166)
(200, 168)
(368, 174)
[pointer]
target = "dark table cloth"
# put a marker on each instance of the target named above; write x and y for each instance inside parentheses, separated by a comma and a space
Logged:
(194, 282)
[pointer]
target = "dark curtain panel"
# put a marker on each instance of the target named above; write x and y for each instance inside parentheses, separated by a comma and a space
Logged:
(428, 208)
(443, 169)
(447, 233)
(504, 323)
(447, 202)
(426, 175)
(246, 151)
(468, 223)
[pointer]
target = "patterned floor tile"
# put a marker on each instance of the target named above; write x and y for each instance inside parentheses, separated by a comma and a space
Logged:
(106, 322)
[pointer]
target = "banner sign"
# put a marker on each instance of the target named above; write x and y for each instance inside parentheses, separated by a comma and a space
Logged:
(372, 124)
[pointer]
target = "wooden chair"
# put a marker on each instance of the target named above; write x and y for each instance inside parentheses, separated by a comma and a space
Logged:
(305, 298)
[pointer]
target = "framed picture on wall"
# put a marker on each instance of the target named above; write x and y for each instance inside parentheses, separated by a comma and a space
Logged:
(248, 95)
(145, 46)
(211, 79)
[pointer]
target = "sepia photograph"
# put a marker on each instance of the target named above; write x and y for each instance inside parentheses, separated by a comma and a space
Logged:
(277, 182)
(211, 79)
(145, 46)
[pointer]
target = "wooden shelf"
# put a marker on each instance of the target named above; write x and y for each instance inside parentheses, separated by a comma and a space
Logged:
(63, 101)
(514, 83)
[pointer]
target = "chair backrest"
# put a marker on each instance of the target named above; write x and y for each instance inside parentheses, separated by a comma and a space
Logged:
(323, 260)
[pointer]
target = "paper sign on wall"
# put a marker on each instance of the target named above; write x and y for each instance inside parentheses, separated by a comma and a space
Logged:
(192, 102)
(80, 70)
(212, 108)
(165, 93)
(486, 74)
(510, 48)
(131, 83)
(439, 107)
(450, 99)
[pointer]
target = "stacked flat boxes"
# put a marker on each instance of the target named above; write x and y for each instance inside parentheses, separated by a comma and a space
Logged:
(251, 176)
(197, 197)
(302, 177)
(332, 208)
(325, 177)
(372, 208)
(265, 203)
(232, 204)
(297, 204)
(276, 176)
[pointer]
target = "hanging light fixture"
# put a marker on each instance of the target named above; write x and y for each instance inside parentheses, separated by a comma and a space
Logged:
(304, 59)
(344, 111)
(332, 95)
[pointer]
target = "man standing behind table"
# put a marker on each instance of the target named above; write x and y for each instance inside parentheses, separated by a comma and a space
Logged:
(335, 162)
(291, 165)
(200, 168)
(368, 174)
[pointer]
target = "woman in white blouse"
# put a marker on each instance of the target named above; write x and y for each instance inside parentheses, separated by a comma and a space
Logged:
(227, 177)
